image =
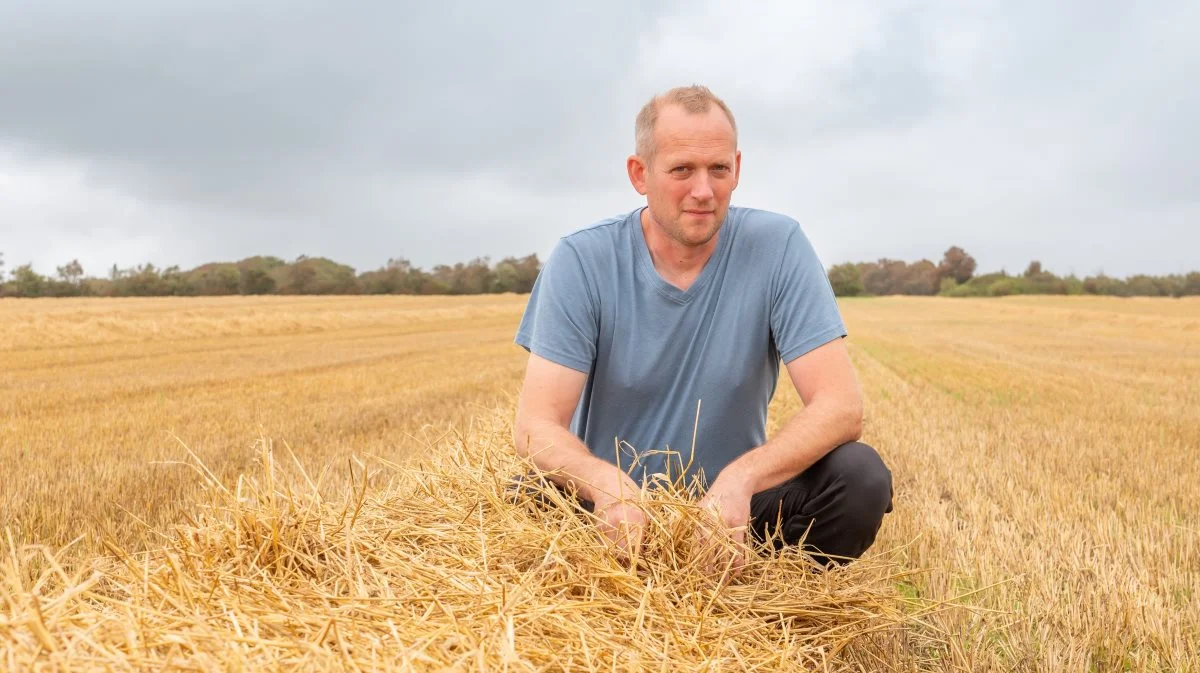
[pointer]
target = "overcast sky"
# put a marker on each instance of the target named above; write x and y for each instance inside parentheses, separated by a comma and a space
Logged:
(188, 132)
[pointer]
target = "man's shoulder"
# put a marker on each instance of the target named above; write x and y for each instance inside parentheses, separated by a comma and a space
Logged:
(599, 237)
(767, 225)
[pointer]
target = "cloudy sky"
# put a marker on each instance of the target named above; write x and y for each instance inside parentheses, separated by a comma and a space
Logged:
(137, 131)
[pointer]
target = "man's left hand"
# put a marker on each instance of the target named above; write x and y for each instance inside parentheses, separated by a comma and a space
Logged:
(727, 506)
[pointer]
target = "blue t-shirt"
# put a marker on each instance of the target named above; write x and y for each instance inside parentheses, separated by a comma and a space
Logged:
(652, 351)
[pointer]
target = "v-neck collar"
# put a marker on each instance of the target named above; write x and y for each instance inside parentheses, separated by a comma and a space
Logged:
(667, 290)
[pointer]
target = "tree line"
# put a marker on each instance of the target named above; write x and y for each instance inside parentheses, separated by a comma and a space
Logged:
(272, 275)
(953, 276)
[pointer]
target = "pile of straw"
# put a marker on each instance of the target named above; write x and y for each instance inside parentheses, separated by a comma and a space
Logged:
(433, 566)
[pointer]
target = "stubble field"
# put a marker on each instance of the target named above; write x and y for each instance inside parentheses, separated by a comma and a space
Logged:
(1046, 451)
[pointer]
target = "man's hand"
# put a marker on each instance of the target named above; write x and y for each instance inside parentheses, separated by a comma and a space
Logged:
(727, 506)
(542, 433)
(622, 522)
(832, 415)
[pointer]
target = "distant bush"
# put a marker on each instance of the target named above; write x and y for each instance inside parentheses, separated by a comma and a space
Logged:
(1002, 288)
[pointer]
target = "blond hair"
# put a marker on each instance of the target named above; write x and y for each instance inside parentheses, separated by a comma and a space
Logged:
(695, 99)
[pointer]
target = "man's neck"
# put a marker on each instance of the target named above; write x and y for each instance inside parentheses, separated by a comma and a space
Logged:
(678, 264)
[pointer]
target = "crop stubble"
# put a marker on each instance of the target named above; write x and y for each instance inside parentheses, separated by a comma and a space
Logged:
(1044, 449)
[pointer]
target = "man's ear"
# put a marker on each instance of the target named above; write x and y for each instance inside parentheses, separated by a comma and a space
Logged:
(737, 168)
(637, 173)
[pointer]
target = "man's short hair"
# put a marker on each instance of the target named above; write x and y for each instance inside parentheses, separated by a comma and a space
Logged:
(695, 99)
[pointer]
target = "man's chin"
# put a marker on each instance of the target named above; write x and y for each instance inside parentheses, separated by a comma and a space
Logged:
(700, 238)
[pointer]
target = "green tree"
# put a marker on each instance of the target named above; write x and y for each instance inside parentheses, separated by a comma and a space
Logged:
(474, 277)
(396, 277)
(1002, 288)
(261, 274)
(436, 282)
(71, 272)
(1036, 280)
(174, 282)
(846, 280)
(505, 277)
(301, 278)
(318, 275)
(252, 280)
(516, 275)
(213, 279)
(1191, 285)
(1105, 285)
(144, 281)
(1142, 285)
(27, 283)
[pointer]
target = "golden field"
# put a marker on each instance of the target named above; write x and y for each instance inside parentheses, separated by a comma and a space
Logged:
(1045, 450)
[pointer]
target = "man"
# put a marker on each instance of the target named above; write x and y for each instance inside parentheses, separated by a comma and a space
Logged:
(687, 303)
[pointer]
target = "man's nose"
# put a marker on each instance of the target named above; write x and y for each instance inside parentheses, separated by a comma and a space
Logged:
(701, 188)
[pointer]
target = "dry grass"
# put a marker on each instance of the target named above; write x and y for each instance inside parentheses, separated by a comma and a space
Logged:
(1050, 445)
(94, 394)
(438, 570)
(1044, 451)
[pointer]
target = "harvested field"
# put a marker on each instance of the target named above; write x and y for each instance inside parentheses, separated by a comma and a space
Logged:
(95, 395)
(1045, 453)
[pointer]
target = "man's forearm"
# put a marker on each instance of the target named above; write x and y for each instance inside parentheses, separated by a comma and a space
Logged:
(803, 440)
(557, 451)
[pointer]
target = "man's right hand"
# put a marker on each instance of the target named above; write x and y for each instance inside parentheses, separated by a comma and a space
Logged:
(621, 520)
(542, 432)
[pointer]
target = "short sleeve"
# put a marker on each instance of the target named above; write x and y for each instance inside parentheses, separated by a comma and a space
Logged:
(561, 320)
(804, 311)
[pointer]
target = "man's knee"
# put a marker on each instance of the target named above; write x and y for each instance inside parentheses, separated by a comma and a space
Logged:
(866, 481)
(860, 493)
(866, 485)
(838, 504)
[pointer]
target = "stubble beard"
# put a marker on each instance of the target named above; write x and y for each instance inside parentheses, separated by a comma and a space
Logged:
(679, 233)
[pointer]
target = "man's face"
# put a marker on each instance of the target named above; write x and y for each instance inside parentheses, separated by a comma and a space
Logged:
(689, 183)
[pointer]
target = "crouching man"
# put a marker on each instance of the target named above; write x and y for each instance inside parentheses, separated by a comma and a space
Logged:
(635, 319)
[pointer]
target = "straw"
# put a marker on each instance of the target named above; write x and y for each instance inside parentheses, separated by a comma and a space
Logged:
(439, 564)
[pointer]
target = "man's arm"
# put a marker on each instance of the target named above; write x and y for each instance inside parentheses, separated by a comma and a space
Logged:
(542, 433)
(832, 415)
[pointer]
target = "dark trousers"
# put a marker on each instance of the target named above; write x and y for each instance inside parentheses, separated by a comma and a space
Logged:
(839, 502)
(836, 506)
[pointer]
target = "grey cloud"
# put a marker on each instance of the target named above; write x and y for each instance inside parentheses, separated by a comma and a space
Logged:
(441, 131)
(220, 100)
